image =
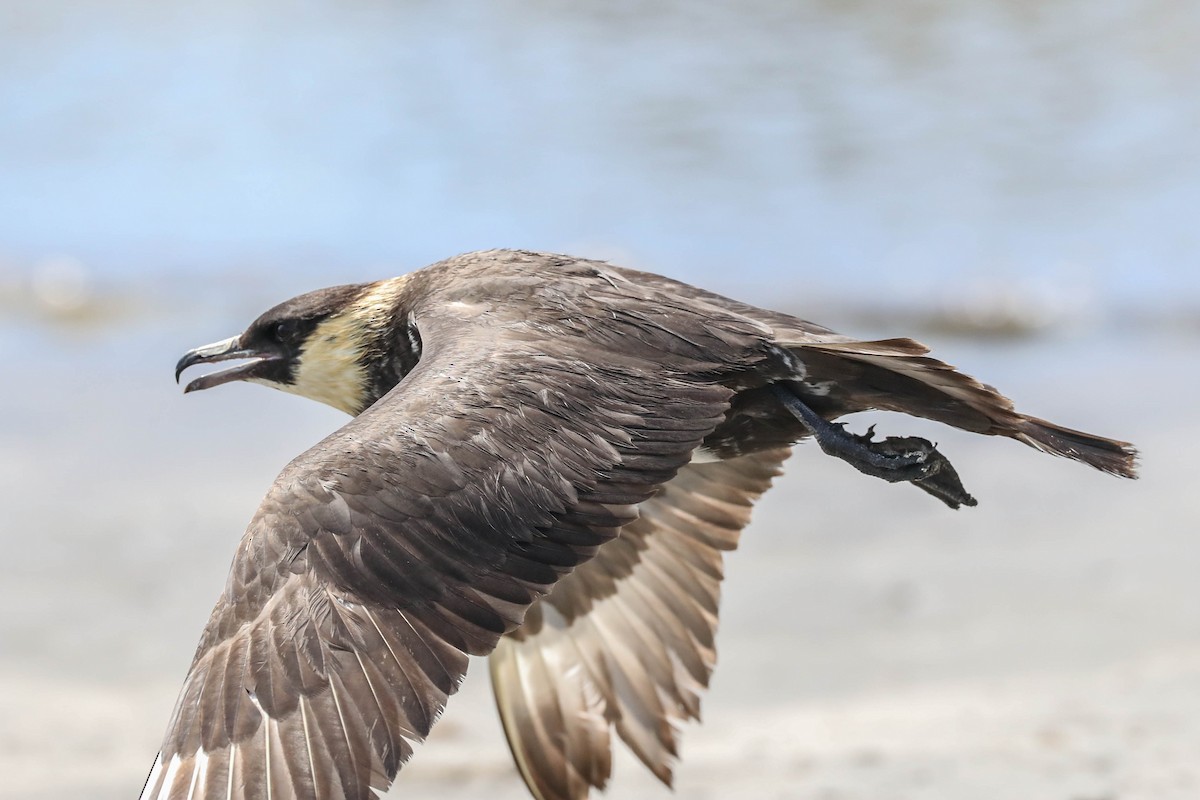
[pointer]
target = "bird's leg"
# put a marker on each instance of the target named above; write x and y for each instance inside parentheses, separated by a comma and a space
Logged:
(860, 451)
(893, 459)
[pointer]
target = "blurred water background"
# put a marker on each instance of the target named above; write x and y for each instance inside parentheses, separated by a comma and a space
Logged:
(1016, 182)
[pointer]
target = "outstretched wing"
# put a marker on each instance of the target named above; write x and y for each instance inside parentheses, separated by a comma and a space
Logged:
(422, 531)
(627, 640)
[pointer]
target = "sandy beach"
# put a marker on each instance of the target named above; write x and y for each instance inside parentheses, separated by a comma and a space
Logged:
(1043, 646)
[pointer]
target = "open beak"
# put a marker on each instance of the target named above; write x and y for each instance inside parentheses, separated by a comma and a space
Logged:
(228, 350)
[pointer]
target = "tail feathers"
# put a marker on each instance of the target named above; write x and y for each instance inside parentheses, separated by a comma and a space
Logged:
(1107, 455)
(897, 375)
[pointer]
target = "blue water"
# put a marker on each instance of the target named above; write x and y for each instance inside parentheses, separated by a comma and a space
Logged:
(775, 150)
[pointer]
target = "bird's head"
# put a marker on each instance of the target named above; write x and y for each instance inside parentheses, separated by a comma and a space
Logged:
(345, 346)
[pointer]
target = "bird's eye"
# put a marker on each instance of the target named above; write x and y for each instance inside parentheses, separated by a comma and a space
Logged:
(285, 331)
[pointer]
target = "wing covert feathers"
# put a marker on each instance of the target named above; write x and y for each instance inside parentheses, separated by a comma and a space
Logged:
(626, 642)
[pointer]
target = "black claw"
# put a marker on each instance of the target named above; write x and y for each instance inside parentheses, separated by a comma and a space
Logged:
(894, 459)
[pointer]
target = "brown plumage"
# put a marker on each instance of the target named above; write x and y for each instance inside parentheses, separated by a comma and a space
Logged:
(627, 640)
(549, 457)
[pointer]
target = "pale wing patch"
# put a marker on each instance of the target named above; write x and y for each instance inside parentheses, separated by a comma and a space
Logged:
(626, 641)
(152, 780)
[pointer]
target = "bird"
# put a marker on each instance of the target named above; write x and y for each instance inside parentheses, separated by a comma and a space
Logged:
(548, 458)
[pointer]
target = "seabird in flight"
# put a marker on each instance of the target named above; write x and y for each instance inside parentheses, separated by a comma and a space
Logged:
(547, 460)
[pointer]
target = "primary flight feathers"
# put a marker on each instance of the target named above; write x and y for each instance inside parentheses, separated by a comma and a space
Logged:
(549, 457)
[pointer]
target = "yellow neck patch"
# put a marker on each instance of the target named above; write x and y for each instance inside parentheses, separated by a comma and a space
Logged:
(330, 366)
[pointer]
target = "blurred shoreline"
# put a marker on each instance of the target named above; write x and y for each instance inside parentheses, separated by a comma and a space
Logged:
(63, 295)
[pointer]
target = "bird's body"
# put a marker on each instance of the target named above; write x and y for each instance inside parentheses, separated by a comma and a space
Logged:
(549, 457)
